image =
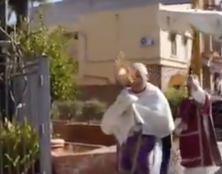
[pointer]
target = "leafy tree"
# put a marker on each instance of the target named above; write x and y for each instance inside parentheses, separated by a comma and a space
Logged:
(20, 7)
(40, 41)
(174, 97)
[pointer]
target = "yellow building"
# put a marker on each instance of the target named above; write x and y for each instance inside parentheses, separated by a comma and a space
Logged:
(129, 26)
(135, 32)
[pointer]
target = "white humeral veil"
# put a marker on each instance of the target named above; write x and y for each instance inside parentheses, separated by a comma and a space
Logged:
(150, 108)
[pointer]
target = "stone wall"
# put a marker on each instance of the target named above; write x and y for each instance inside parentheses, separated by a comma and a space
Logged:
(100, 161)
(154, 74)
(167, 73)
(105, 93)
(82, 133)
(108, 93)
(91, 161)
(158, 75)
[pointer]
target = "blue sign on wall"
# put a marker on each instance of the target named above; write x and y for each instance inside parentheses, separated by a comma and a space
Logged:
(146, 41)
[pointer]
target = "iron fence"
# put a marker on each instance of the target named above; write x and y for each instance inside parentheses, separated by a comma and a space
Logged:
(25, 123)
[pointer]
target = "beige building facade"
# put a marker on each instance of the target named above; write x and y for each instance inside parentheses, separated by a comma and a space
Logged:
(136, 33)
(107, 27)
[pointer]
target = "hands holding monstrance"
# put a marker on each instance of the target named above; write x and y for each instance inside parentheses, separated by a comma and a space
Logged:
(125, 74)
(193, 82)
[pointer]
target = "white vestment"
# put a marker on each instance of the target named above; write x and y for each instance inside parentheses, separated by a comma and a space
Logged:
(150, 109)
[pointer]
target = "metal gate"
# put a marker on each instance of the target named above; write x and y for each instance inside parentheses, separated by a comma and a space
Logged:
(25, 132)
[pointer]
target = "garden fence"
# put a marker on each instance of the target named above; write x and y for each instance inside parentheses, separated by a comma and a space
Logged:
(25, 126)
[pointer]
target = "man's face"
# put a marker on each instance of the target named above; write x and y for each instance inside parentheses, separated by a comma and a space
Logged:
(139, 81)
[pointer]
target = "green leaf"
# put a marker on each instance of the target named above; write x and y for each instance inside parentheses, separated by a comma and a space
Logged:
(174, 97)
(19, 146)
(54, 45)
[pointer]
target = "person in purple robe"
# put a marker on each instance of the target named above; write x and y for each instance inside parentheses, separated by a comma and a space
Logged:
(166, 147)
(139, 118)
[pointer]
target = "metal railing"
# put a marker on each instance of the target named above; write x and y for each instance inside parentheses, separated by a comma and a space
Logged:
(25, 123)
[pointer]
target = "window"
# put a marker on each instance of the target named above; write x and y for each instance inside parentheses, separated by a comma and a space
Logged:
(71, 35)
(186, 51)
(172, 37)
(174, 48)
(76, 35)
(184, 40)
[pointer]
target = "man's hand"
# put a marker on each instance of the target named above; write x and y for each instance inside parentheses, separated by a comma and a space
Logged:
(196, 91)
(126, 99)
(126, 76)
(193, 83)
(182, 126)
(199, 96)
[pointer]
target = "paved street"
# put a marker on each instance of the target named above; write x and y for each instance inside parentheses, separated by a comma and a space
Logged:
(220, 169)
(177, 169)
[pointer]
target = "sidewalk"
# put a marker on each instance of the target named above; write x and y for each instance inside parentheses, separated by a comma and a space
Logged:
(175, 167)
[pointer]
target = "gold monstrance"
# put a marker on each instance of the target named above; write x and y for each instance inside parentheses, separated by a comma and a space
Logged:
(124, 73)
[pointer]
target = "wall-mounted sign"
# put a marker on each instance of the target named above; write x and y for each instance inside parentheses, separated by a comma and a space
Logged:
(146, 41)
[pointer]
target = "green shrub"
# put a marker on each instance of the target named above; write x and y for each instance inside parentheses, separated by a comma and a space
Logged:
(174, 97)
(54, 112)
(78, 110)
(68, 110)
(93, 110)
(19, 147)
(41, 41)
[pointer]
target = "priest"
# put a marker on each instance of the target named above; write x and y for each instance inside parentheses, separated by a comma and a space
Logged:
(194, 126)
(139, 118)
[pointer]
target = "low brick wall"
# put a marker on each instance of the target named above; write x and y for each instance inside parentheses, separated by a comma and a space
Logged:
(99, 161)
(80, 147)
(82, 133)
(90, 154)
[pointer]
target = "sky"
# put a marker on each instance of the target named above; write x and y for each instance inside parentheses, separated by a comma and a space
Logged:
(12, 20)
